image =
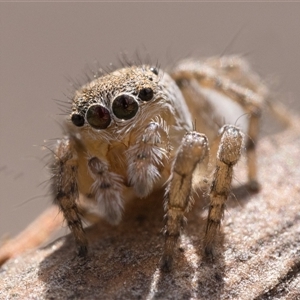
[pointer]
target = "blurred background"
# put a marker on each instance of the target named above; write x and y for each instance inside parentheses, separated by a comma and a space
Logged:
(43, 44)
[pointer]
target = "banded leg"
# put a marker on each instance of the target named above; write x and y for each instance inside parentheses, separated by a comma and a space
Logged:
(146, 156)
(253, 131)
(250, 99)
(238, 70)
(193, 150)
(64, 185)
(228, 155)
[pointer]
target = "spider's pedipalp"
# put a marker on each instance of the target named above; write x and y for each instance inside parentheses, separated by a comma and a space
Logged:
(229, 153)
(146, 157)
(193, 150)
(107, 188)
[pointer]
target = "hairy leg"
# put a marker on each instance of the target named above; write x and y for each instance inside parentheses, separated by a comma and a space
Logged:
(244, 89)
(228, 155)
(64, 183)
(193, 150)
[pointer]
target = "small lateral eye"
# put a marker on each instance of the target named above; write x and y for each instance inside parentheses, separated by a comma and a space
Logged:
(146, 94)
(77, 120)
(125, 107)
(98, 116)
(154, 70)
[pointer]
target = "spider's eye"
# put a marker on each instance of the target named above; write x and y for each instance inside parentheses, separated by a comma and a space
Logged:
(154, 70)
(98, 116)
(125, 107)
(146, 94)
(77, 120)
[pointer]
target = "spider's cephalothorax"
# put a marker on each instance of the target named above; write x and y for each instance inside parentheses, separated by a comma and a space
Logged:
(132, 130)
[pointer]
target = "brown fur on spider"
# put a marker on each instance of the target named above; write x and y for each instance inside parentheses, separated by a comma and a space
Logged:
(131, 131)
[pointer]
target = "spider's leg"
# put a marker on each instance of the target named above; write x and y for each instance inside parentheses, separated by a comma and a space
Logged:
(65, 189)
(250, 100)
(192, 152)
(228, 155)
(237, 69)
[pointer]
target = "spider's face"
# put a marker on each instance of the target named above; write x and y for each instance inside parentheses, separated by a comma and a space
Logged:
(112, 104)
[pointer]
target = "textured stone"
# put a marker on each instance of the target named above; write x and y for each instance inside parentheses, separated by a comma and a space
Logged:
(258, 253)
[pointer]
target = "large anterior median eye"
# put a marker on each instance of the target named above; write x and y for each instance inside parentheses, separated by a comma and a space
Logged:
(98, 116)
(125, 107)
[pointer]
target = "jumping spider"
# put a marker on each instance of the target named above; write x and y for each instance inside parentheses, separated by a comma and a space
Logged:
(131, 131)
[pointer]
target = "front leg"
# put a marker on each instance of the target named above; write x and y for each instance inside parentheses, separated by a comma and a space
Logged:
(193, 151)
(64, 183)
(229, 153)
(146, 157)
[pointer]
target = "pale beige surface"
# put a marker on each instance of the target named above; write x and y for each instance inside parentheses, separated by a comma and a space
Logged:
(259, 248)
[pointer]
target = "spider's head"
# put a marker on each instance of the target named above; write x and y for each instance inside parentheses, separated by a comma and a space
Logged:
(118, 101)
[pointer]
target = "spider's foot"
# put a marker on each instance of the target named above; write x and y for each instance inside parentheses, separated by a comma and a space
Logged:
(254, 186)
(82, 251)
(166, 263)
(209, 252)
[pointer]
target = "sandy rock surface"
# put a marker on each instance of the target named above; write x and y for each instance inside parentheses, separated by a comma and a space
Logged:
(258, 254)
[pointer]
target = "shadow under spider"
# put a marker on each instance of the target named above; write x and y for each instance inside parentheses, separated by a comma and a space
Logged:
(123, 260)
